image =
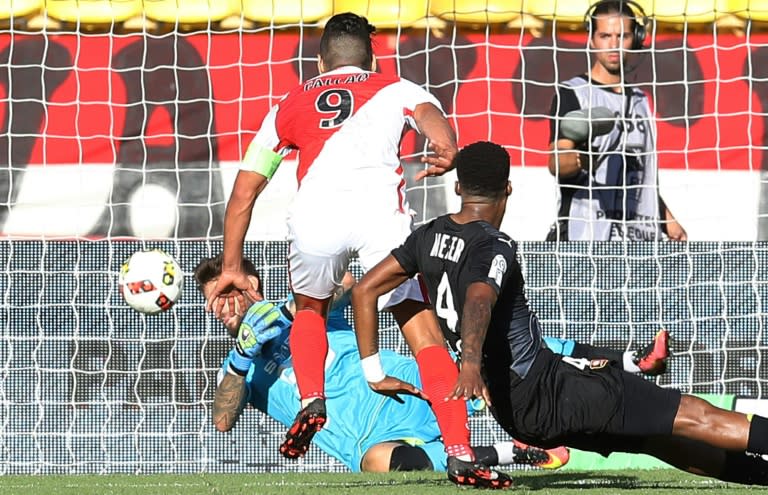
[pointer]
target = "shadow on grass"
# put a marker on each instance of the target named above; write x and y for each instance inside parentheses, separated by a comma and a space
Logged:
(577, 480)
(605, 480)
(531, 481)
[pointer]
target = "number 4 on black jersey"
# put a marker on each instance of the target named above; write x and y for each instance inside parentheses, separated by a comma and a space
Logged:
(451, 257)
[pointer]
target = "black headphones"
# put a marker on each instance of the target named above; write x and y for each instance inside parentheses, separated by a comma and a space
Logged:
(639, 20)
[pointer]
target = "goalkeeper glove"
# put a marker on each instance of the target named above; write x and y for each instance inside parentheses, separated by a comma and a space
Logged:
(263, 322)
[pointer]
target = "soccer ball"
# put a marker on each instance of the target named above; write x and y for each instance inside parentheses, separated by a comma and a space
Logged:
(150, 281)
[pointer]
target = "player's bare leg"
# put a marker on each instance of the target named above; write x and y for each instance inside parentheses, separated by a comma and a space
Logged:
(309, 348)
(742, 438)
(697, 419)
(700, 458)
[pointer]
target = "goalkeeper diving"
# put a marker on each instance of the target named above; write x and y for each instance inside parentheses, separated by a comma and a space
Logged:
(369, 432)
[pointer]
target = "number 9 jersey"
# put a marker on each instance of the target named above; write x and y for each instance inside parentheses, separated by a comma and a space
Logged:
(347, 125)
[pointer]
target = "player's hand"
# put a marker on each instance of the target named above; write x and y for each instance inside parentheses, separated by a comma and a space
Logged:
(264, 322)
(585, 162)
(230, 291)
(470, 385)
(438, 163)
(391, 387)
(676, 232)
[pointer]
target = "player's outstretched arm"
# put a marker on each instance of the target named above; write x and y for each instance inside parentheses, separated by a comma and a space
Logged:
(476, 316)
(442, 140)
(259, 164)
(233, 281)
(384, 277)
(229, 401)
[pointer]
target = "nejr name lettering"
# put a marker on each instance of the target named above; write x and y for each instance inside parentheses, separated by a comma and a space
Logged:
(447, 247)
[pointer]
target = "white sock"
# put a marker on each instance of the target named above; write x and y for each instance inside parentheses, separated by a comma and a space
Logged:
(629, 362)
(506, 452)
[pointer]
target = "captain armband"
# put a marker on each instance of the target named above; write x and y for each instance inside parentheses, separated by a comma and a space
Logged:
(261, 160)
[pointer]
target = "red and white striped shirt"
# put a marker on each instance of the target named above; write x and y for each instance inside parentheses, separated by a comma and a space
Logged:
(347, 125)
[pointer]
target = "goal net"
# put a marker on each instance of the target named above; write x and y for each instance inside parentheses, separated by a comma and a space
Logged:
(119, 142)
(89, 385)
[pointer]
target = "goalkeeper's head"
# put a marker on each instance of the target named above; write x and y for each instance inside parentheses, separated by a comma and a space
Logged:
(207, 273)
(346, 41)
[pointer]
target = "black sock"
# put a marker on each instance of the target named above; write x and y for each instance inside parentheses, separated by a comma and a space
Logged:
(758, 435)
(744, 468)
(487, 456)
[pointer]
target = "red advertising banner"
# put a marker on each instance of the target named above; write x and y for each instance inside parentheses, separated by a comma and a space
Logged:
(69, 99)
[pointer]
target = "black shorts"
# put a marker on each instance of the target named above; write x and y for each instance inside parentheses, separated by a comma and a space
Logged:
(596, 408)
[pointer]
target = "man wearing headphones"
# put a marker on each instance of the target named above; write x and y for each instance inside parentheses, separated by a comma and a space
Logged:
(607, 174)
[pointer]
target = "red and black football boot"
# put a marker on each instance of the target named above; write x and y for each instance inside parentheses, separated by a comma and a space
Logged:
(308, 421)
(543, 458)
(468, 473)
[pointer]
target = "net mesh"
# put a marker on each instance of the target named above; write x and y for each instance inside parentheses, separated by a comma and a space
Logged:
(88, 385)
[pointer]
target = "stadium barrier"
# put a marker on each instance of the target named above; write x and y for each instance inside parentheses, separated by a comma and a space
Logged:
(101, 125)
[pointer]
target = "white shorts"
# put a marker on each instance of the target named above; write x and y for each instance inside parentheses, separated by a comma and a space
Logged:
(321, 247)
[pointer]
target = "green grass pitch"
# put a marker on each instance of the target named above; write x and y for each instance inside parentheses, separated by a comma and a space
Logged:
(655, 482)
